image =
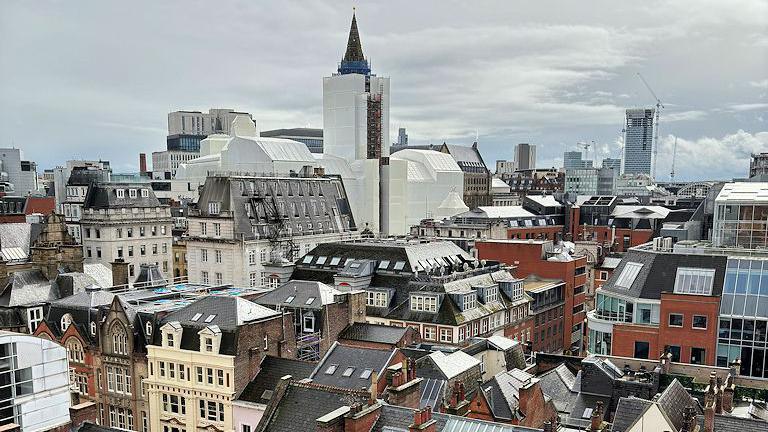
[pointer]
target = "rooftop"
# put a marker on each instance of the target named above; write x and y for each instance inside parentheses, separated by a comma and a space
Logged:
(743, 192)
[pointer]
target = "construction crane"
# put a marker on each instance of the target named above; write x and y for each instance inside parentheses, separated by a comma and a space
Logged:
(585, 146)
(674, 155)
(659, 106)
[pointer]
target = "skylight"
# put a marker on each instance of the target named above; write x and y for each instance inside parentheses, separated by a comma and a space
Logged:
(290, 299)
(628, 275)
(209, 318)
(307, 259)
(196, 317)
(399, 265)
(335, 261)
(331, 369)
(348, 371)
(321, 260)
(310, 300)
(365, 374)
(383, 264)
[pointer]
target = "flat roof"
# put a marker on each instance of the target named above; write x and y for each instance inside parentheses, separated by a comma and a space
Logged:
(743, 192)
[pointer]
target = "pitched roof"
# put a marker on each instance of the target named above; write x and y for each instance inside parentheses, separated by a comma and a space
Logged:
(104, 195)
(354, 50)
(628, 410)
(224, 311)
(374, 333)
(674, 400)
(561, 385)
(351, 367)
(272, 369)
(453, 364)
(302, 294)
(293, 132)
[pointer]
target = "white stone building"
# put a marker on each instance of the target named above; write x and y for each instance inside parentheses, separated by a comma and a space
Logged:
(126, 221)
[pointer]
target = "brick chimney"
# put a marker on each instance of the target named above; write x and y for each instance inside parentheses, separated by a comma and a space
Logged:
(689, 420)
(405, 389)
(709, 415)
(373, 389)
(458, 403)
(728, 390)
(596, 421)
(548, 427)
(710, 393)
(666, 362)
(422, 421)
(719, 396)
(142, 163)
(120, 273)
(83, 412)
(527, 395)
(361, 418)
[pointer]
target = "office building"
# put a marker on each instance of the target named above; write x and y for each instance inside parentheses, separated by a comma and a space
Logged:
(35, 383)
(758, 167)
(402, 138)
(505, 168)
(638, 141)
(126, 221)
(581, 181)
(741, 216)
(165, 163)
(240, 224)
(575, 160)
(312, 138)
(187, 128)
(525, 156)
(22, 174)
(477, 177)
(614, 164)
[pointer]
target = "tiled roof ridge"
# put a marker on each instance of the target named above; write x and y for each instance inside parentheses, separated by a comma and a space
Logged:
(329, 388)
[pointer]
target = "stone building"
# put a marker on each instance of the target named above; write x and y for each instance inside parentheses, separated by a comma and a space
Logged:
(126, 221)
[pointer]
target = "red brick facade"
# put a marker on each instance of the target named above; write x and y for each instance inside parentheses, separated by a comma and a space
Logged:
(529, 259)
(549, 232)
(687, 337)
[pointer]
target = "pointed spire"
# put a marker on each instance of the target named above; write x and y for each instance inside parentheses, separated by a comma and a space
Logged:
(354, 61)
(354, 47)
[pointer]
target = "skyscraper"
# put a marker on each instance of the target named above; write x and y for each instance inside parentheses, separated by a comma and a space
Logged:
(402, 137)
(525, 156)
(355, 107)
(638, 141)
(573, 160)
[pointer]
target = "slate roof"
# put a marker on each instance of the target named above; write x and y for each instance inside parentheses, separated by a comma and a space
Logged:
(306, 295)
(395, 418)
(453, 364)
(104, 195)
(358, 359)
(503, 392)
(432, 393)
(26, 288)
(366, 332)
(561, 385)
(726, 423)
(15, 239)
(659, 270)
(260, 389)
(90, 427)
(293, 132)
(674, 400)
(465, 154)
(628, 411)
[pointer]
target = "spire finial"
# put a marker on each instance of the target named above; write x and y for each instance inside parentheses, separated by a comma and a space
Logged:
(354, 61)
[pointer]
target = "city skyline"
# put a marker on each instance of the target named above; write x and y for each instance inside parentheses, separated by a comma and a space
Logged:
(104, 90)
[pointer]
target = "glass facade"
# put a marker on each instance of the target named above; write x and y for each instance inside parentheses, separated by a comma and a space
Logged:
(189, 143)
(744, 316)
(742, 225)
(619, 310)
(599, 342)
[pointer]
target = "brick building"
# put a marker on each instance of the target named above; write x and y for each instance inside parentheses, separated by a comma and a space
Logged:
(543, 259)
(547, 311)
(513, 397)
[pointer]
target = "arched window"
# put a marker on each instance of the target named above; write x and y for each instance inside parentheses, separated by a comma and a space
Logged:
(75, 351)
(93, 328)
(149, 328)
(66, 320)
(119, 340)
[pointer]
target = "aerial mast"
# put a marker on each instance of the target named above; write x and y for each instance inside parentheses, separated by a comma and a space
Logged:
(674, 155)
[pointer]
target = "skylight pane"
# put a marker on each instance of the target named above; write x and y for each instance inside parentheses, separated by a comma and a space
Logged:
(383, 264)
(196, 317)
(695, 281)
(289, 299)
(335, 261)
(310, 300)
(348, 372)
(628, 275)
(209, 318)
(366, 374)
(331, 369)
(321, 260)
(307, 259)
(399, 265)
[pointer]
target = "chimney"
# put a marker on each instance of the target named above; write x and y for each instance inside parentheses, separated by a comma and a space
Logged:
(374, 389)
(526, 396)
(709, 416)
(710, 393)
(422, 421)
(362, 418)
(458, 403)
(689, 420)
(405, 389)
(728, 390)
(666, 362)
(548, 427)
(120, 276)
(142, 163)
(82, 413)
(719, 396)
(596, 421)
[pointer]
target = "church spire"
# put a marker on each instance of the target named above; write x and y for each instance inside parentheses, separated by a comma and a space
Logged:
(354, 61)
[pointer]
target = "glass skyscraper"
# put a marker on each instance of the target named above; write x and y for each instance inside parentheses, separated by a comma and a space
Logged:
(638, 141)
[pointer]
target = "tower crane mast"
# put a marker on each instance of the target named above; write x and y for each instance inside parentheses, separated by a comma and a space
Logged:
(659, 106)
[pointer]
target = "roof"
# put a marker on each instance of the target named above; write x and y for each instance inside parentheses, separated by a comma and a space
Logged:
(293, 132)
(105, 195)
(15, 240)
(374, 333)
(561, 385)
(610, 262)
(28, 287)
(354, 366)
(628, 410)
(226, 312)
(544, 200)
(640, 212)
(424, 165)
(743, 192)
(497, 212)
(271, 370)
(453, 364)
(727, 423)
(354, 52)
(432, 393)
(674, 400)
(100, 272)
(42, 205)
(302, 294)
(502, 342)
(462, 153)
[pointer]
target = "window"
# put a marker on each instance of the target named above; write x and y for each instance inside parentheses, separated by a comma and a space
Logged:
(217, 254)
(308, 322)
(209, 344)
(174, 404)
(698, 355)
(383, 265)
(628, 275)
(129, 231)
(204, 255)
(331, 369)
(253, 279)
(252, 257)
(423, 303)
(696, 281)
(214, 207)
(204, 277)
(120, 193)
(219, 278)
(348, 372)
(675, 351)
(75, 351)
(446, 335)
(169, 339)
(429, 333)
(142, 231)
(675, 320)
(211, 410)
(641, 349)
(66, 321)
(376, 299)
(119, 340)
(132, 193)
(217, 229)
(699, 322)
(34, 317)
(203, 228)
(469, 301)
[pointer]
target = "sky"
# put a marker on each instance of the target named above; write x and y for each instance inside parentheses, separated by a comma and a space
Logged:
(93, 79)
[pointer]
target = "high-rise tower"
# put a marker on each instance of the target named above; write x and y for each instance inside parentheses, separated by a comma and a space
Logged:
(356, 107)
(638, 141)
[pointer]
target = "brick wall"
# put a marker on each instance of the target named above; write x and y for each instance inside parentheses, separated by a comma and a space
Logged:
(281, 342)
(687, 337)
(625, 335)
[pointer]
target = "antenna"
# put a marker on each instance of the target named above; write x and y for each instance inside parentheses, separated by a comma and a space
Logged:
(674, 155)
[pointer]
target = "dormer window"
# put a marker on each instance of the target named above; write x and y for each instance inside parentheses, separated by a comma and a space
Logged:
(120, 193)
(210, 339)
(469, 301)
(93, 328)
(214, 207)
(132, 193)
(145, 193)
(169, 340)
(66, 321)
(148, 328)
(423, 303)
(208, 344)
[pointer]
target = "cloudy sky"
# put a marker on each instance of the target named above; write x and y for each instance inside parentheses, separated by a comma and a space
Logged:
(95, 79)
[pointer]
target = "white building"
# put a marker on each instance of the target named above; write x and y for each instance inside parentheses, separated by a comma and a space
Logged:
(36, 380)
(168, 162)
(217, 120)
(241, 223)
(79, 181)
(126, 221)
(22, 174)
